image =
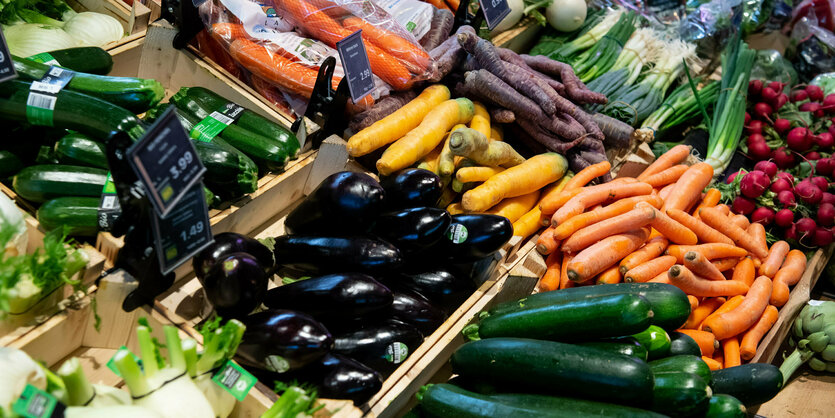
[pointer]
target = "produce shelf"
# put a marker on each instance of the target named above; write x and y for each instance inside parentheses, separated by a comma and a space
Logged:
(134, 18)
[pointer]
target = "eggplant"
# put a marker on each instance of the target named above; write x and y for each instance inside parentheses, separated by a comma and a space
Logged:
(227, 243)
(332, 296)
(438, 285)
(325, 254)
(382, 347)
(416, 311)
(412, 188)
(478, 271)
(345, 378)
(343, 203)
(235, 285)
(281, 340)
(472, 237)
(412, 229)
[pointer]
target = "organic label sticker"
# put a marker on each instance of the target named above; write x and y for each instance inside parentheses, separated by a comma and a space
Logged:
(44, 58)
(277, 364)
(457, 233)
(109, 208)
(396, 352)
(111, 364)
(211, 126)
(234, 379)
(35, 403)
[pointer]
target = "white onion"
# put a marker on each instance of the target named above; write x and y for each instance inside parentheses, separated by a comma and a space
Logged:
(566, 15)
(28, 39)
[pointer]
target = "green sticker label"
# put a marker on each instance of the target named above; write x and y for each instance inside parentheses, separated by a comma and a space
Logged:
(39, 108)
(457, 233)
(207, 129)
(411, 26)
(109, 208)
(234, 379)
(44, 58)
(396, 352)
(35, 403)
(112, 365)
(276, 364)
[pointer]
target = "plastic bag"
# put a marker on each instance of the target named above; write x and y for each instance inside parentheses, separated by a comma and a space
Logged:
(826, 82)
(710, 26)
(772, 66)
(754, 14)
(815, 51)
(414, 15)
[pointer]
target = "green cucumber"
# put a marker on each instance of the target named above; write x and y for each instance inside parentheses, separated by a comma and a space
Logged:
(39, 183)
(681, 344)
(670, 305)
(627, 346)
(10, 164)
(248, 119)
(686, 363)
(73, 111)
(134, 94)
(79, 215)
(656, 341)
(590, 318)
(680, 394)
(83, 59)
(571, 407)
(752, 383)
(78, 149)
(725, 406)
(564, 369)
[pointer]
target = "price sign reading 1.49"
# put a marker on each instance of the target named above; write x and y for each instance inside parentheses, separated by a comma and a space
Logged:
(356, 66)
(183, 232)
(494, 11)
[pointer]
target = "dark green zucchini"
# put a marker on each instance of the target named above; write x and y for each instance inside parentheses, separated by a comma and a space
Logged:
(656, 341)
(752, 383)
(78, 149)
(40, 183)
(79, 215)
(680, 394)
(558, 368)
(725, 406)
(83, 59)
(10, 164)
(682, 344)
(134, 94)
(685, 363)
(572, 407)
(627, 346)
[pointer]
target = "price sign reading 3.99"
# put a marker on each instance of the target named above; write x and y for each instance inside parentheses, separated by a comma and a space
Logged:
(356, 66)
(183, 232)
(494, 11)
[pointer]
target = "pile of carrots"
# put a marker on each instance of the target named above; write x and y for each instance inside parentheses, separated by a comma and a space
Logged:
(661, 227)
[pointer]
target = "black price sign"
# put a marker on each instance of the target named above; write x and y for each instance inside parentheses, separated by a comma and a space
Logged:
(356, 66)
(165, 162)
(7, 71)
(184, 232)
(494, 11)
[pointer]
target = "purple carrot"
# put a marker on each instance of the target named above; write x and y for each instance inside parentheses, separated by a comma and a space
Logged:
(502, 115)
(549, 140)
(484, 52)
(439, 30)
(528, 85)
(576, 90)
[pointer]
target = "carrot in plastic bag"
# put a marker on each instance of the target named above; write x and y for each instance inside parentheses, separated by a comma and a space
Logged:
(390, 42)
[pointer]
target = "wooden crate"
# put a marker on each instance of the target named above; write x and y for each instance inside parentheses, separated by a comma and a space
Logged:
(134, 18)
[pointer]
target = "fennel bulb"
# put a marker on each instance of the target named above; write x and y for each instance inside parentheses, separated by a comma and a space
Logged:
(12, 218)
(18, 370)
(121, 411)
(220, 344)
(566, 15)
(81, 393)
(94, 29)
(28, 39)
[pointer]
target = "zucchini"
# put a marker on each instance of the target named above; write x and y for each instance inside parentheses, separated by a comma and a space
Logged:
(83, 59)
(680, 394)
(248, 119)
(628, 346)
(725, 406)
(571, 407)
(687, 363)
(656, 341)
(681, 344)
(78, 149)
(267, 152)
(564, 369)
(10, 164)
(591, 318)
(752, 383)
(79, 215)
(670, 305)
(74, 111)
(134, 94)
(39, 183)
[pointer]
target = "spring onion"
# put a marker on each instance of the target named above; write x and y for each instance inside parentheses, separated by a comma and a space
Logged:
(641, 49)
(681, 106)
(594, 35)
(601, 57)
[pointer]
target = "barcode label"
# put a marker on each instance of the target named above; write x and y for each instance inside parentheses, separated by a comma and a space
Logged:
(220, 117)
(41, 101)
(109, 202)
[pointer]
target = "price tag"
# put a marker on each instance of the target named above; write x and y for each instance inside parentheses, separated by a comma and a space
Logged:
(7, 71)
(165, 162)
(207, 129)
(35, 403)
(184, 231)
(494, 11)
(43, 94)
(356, 66)
(234, 379)
(111, 364)
(109, 208)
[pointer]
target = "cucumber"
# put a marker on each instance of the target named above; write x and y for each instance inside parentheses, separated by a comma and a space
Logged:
(752, 383)
(627, 346)
(83, 59)
(591, 318)
(248, 119)
(134, 94)
(10, 164)
(565, 369)
(686, 363)
(78, 149)
(725, 406)
(681, 344)
(656, 341)
(79, 215)
(572, 407)
(40, 183)
(680, 394)
(268, 153)
(74, 111)
(670, 305)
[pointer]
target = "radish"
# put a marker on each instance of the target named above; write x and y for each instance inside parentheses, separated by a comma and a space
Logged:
(799, 96)
(822, 237)
(732, 177)
(779, 102)
(812, 156)
(747, 118)
(755, 87)
(763, 110)
(825, 141)
(776, 85)
(754, 138)
(783, 157)
(766, 167)
(831, 129)
(805, 227)
(784, 218)
(754, 184)
(791, 233)
(829, 103)
(808, 192)
(786, 176)
(798, 139)
(763, 215)
(828, 198)
(743, 205)
(782, 126)
(821, 182)
(826, 214)
(768, 94)
(755, 127)
(786, 198)
(815, 92)
(810, 107)
(759, 151)
(825, 166)
(780, 185)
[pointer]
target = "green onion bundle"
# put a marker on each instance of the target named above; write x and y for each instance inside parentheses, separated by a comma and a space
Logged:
(602, 56)
(592, 36)
(641, 49)
(681, 106)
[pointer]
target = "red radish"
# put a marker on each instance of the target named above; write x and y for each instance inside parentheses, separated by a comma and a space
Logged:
(743, 205)
(791, 233)
(783, 157)
(754, 138)
(828, 198)
(808, 192)
(831, 129)
(768, 94)
(799, 96)
(763, 215)
(821, 182)
(780, 185)
(815, 92)
(747, 118)
(822, 237)
(763, 110)
(826, 214)
(812, 156)
(825, 166)
(782, 126)
(755, 127)
(798, 139)
(805, 227)
(784, 218)
(829, 103)
(825, 140)
(732, 177)
(776, 85)
(787, 176)
(810, 107)
(754, 184)
(766, 167)
(759, 151)
(755, 87)
(779, 102)
(786, 198)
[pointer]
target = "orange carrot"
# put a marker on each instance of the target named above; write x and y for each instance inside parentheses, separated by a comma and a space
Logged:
(661, 278)
(588, 174)
(552, 203)
(604, 254)
(757, 231)
(740, 221)
(716, 220)
(689, 187)
(775, 258)
(546, 244)
(691, 284)
(699, 265)
(728, 306)
(674, 156)
(665, 192)
(551, 192)
(752, 337)
(390, 42)
(711, 199)
(702, 231)
(725, 264)
(788, 275)
(551, 279)
(634, 219)
(565, 283)
(712, 364)
(654, 248)
(723, 209)
(453, 5)
(731, 352)
(593, 195)
(668, 176)
(610, 276)
(745, 315)
(744, 271)
(711, 251)
(647, 271)
(671, 229)
(705, 308)
(719, 356)
(706, 341)
(694, 302)
(584, 220)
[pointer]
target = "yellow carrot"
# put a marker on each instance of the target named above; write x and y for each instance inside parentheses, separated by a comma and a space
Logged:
(446, 161)
(430, 161)
(476, 174)
(528, 224)
(513, 208)
(496, 133)
(455, 209)
(524, 178)
(471, 144)
(481, 119)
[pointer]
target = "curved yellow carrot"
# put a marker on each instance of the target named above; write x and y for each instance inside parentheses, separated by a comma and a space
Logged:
(533, 174)
(513, 208)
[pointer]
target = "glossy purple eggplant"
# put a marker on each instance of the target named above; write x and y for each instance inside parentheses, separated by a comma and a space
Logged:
(227, 243)
(472, 237)
(412, 229)
(235, 285)
(381, 347)
(325, 254)
(281, 340)
(333, 295)
(342, 377)
(438, 285)
(411, 188)
(416, 311)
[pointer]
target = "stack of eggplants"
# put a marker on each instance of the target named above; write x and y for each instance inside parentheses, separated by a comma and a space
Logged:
(387, 266)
